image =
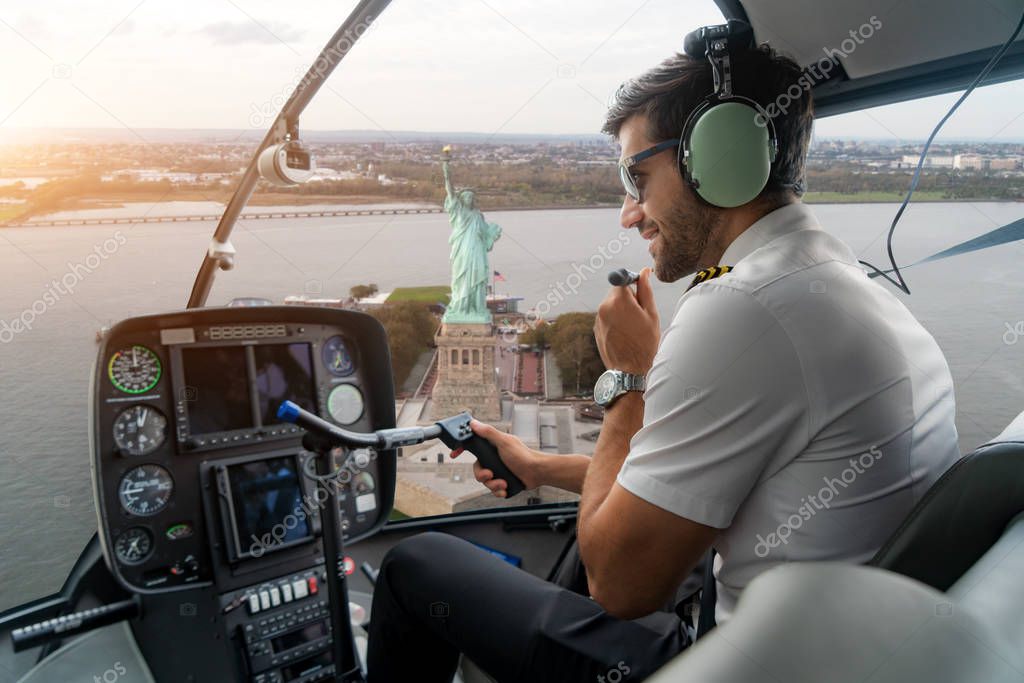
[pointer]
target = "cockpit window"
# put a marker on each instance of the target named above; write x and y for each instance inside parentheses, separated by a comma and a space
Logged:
(123, 132)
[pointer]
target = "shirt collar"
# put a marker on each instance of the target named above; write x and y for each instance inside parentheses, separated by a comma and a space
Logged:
(781, 221)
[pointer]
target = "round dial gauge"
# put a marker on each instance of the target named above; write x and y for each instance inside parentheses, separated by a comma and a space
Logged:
(133, 546)
(345, 404)
(140, 430)
(145, 490)
(134, 369)
(336, 357)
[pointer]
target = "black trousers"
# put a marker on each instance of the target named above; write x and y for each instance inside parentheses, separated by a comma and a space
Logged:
(437, 596)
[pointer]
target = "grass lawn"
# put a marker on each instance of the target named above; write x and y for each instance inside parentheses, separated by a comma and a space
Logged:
(854, 197)
(429, 295)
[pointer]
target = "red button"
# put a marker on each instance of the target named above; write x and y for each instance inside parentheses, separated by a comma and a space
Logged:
(312, 585)
(349, 565)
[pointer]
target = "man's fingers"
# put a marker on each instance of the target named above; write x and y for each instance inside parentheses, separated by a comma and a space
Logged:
(484, 476)
(495, 486)
(486, 431)
(645, 292)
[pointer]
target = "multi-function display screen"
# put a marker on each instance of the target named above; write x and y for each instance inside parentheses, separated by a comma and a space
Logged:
(284, 372)
(240, 387)
(216, 389)
(267, 505)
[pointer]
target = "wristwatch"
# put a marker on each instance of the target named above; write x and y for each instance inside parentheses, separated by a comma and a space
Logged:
(614, 383)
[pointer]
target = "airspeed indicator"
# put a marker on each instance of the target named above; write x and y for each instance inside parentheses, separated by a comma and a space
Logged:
(134, 369)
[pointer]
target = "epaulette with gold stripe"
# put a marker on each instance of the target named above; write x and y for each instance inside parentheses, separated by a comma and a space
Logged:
(709, 274)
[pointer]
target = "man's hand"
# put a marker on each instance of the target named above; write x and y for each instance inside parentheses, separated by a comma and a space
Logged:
(627, 328)
(524, 462)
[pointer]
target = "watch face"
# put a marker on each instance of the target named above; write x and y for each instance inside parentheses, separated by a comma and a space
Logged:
(604, 390)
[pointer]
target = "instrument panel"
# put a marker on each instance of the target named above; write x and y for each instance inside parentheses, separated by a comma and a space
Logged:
(196, 480)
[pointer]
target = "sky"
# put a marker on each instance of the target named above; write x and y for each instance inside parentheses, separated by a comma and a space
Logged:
(510, 66)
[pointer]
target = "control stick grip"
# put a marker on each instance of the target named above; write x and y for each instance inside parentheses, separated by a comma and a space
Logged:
(456, 433)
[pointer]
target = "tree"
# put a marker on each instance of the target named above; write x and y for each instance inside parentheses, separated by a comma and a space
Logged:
(410, 328)
(537, 335)
(363, 291)
(572, 341)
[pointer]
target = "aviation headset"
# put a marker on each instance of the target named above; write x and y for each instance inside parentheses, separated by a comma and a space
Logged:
(728, 143)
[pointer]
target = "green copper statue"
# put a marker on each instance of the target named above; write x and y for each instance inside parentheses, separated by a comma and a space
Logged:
(472, 237)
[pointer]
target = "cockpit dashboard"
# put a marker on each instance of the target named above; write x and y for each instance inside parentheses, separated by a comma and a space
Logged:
(200, 487)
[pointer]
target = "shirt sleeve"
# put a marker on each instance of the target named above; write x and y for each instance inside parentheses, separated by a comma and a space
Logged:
(725, 405)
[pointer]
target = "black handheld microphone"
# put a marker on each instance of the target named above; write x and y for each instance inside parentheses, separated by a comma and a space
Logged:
(623, 277)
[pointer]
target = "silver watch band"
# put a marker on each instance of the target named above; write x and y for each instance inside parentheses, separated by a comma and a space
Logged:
(631, 382)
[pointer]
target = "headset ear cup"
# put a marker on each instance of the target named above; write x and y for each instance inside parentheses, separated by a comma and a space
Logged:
(730, 154)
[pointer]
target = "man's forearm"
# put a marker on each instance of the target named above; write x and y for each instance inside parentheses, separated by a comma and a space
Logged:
(621, 421)
(563, 471)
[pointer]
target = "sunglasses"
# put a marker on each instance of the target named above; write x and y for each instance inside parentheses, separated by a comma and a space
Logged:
(626, 175)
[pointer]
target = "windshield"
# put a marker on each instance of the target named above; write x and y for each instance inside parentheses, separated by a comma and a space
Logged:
(147, 113)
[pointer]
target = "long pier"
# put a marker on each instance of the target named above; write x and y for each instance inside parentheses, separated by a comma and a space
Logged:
(258, 216)
(268, 215)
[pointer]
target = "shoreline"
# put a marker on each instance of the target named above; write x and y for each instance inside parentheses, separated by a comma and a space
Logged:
(368, 206)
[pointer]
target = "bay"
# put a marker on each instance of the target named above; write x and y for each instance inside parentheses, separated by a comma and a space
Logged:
(973, 305)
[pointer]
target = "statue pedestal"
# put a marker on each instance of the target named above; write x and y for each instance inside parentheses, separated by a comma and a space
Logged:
(465, 372)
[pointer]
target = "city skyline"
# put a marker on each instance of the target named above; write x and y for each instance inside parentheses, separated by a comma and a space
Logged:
(477, 66)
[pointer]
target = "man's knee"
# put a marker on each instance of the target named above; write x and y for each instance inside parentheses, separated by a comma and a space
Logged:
(417, 550)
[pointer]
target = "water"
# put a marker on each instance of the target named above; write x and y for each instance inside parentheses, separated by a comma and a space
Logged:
(46, 510)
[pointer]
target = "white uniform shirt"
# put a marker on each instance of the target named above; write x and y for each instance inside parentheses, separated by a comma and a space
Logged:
(793, 403)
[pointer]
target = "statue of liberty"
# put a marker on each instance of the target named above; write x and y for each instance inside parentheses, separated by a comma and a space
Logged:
(471, 238)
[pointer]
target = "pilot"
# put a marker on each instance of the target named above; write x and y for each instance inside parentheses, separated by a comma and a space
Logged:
(790, 410)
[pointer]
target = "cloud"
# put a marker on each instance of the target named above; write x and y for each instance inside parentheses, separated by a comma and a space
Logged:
(236, 32)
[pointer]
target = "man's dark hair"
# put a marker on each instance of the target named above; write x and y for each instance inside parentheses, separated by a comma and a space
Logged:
(670, 91)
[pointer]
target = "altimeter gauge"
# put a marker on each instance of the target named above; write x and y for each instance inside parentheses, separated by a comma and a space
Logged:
(140, 430)
(133, 546)
(145, 490)
(134, 369)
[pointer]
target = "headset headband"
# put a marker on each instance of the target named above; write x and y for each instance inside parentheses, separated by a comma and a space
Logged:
(729, 143)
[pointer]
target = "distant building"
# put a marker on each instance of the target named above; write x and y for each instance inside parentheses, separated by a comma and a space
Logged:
(971, 162)
(347, 302)
(1005, 164)
(930, 161)
(374, 301)
(151, 175)
(501, 303)
(968, 162)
